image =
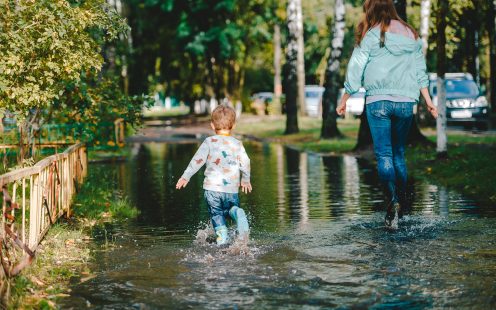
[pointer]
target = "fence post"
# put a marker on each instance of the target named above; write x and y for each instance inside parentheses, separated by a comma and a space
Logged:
(33, 211)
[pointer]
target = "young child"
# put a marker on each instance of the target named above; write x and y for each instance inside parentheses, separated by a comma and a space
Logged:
(225, 157)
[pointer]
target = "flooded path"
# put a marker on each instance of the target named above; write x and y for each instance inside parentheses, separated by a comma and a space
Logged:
(317, 242)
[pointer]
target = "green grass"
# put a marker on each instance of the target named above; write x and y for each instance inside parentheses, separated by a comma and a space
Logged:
(103, 154)
(62, 255)
(175, 111)
(96, 203)
(308, 139)
(123, 209)
(469, 168)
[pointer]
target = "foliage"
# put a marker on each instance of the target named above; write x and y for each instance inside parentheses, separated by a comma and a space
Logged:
(46, 44)
(96, 103)
(199, 48)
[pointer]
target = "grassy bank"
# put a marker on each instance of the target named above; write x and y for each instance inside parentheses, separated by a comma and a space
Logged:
(271, 128)
(64, 255)
(468, 169)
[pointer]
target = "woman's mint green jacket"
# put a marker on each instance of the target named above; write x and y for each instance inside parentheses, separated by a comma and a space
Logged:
(398, 68)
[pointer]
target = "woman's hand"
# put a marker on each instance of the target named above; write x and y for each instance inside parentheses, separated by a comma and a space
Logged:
(341, 109)
(430, 106)
(432, 109)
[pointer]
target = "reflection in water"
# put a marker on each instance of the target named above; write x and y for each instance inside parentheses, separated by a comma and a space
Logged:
(303, 177)
(443, 201)
(317, 240)
(281, 199)
(351, 181)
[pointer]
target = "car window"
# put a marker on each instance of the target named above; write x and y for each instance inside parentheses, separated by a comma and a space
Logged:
(458, 88)
(312, 94)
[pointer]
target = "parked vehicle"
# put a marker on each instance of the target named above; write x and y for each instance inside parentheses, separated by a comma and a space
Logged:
(356, 103)
(465, 104)
(8, 121)
(260, 102)
(313, 100)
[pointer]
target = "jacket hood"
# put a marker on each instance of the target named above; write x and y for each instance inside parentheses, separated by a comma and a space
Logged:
(398, 44)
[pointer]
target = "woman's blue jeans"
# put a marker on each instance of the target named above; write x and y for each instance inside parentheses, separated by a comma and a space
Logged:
(389, 125)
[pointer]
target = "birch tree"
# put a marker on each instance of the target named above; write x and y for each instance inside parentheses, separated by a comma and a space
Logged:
(332, 80)
(276, 101)
(291, 67)
(425, 12)
(441, 149)
(491, 30)
(301, 60)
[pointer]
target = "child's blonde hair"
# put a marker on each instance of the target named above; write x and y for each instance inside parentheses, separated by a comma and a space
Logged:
(223, 117)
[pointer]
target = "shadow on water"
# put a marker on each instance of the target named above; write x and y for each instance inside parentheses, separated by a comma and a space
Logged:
(317, 240)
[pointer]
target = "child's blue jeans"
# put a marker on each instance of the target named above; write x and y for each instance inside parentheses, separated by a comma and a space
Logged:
(219, 204)
(389, 125)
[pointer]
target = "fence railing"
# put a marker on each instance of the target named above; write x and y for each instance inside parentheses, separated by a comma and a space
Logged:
(60, 135)
(33, 199)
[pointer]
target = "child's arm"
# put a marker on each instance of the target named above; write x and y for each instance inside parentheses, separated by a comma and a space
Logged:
(195, 164)
(244, 167)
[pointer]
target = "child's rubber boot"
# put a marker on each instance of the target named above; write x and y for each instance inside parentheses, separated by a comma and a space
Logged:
(222, 235)
(239, 216)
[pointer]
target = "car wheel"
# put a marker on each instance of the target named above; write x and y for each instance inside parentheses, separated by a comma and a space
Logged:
(482, 126)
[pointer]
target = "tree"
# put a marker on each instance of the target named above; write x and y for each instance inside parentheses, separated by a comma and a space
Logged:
(425, 12)
(332, 81)
(276, 101)
(291, 67)
(300, 68)
(47, 45)
(400, 6)
(441, 149)
(491, 30)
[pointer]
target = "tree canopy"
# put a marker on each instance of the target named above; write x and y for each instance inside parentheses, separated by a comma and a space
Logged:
(46, 44)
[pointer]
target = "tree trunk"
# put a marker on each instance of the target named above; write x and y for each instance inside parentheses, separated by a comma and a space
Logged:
(364, 139)
(291, 68)
(441, 149)
(332, 81)
(469, 23)
(301, 59)
(276, 101)
(491, 30)
(425, 12)
(400, 6)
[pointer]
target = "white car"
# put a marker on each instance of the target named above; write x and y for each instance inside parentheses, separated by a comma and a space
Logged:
(356, 103)
(313, 100)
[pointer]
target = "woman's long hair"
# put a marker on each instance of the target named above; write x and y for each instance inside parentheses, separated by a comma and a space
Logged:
(378, 13)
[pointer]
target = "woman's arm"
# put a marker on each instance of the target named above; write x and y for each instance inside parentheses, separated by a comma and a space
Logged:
(430, 106)
(354, 72)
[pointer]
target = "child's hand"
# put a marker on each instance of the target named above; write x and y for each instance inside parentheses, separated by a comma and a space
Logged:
(246, 187)
(181, 183)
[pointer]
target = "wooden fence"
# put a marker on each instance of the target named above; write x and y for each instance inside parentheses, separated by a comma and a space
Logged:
(33, 199)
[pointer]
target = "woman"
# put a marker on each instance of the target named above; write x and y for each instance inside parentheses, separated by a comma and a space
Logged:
(388, 62)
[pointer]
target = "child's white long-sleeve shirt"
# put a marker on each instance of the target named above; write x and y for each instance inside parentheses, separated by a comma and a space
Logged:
(225, 157)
